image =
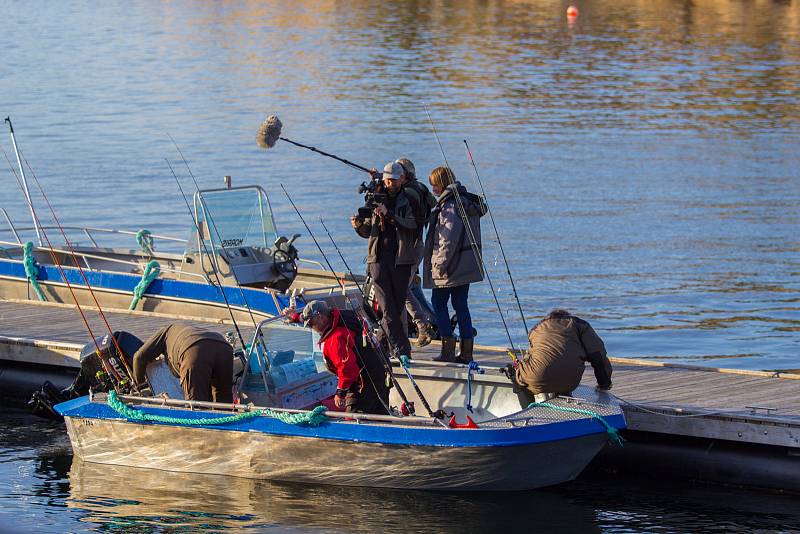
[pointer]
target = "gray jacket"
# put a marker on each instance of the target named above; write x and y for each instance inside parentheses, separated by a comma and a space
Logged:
(450, 255)
(402, 217)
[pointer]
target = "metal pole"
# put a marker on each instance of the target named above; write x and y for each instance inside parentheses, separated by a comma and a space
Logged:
(24, 182)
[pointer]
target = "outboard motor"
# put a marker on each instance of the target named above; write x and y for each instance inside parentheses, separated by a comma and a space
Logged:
(92, 375)
(284, 262)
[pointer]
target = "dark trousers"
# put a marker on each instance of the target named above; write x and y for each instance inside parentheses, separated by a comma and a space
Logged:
(206, 368)
(459, 296)
(391, 288)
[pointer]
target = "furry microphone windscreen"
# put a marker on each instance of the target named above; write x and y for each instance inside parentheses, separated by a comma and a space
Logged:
(269, 132)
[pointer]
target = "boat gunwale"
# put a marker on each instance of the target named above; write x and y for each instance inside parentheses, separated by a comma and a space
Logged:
(365, 430)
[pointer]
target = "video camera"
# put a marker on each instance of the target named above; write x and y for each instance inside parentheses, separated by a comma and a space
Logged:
(374, 194)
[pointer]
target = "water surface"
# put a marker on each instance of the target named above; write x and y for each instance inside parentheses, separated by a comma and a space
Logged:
(641, 161)
(641, 164)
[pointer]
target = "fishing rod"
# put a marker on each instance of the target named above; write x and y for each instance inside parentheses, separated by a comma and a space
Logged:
(24, 183)
(270, 132)
(216, 230)
(497, 234)
(409, 407)
(114, 373)
(471, 235)
(439, 413)
(85, 280)
(213, 260)
(205, 249)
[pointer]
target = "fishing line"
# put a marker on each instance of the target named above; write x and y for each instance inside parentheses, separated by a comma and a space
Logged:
(216, 231)
(83, 276)
(112, 373)
(205, 249)
(363, 297)
(473, 242)
(377, 346)
(497, 234)
(439, 413)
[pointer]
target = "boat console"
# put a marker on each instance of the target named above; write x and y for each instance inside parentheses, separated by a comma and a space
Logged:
(235, 236)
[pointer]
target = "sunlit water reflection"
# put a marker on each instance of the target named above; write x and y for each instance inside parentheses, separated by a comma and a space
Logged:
(641, 163)
(45, 490)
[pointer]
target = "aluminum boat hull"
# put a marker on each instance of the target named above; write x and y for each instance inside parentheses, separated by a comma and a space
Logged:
(526, 451)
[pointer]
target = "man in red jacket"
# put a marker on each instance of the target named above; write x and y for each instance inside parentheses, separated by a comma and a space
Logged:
(361, 375)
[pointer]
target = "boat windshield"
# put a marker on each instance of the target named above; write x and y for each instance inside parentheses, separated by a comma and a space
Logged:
(291, 368)
(237, 217)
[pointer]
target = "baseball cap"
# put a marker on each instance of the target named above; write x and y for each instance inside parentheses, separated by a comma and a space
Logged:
(411, 172)
(392, 171)
(313, 308)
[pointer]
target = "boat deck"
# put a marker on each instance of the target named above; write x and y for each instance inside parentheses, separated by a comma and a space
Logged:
(748, 408)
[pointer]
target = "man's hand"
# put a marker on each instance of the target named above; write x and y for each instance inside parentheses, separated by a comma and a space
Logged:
(381, 210)
(355, 222)
(288, 314)
(339, 401)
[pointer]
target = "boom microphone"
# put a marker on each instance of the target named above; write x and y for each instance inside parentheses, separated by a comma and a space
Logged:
(270, 131)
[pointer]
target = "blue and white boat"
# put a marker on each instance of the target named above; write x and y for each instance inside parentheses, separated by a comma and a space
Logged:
(278, 436)
(233, 248)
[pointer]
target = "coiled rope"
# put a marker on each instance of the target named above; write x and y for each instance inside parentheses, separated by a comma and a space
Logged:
(612, 432)
(313, 418)
(145, 240)
(473, 366)
(150, 273)
(32, 269)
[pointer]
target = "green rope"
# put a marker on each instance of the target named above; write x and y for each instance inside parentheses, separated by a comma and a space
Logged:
(313, 418)
(145, 240)
(150, 273)
(32, 269)
(406, 361)
(612, 432)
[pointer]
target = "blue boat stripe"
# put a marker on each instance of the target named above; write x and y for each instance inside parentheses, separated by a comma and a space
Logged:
(258, 300)
(370, 432)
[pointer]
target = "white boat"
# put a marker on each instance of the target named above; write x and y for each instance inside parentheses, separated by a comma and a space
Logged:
(233, 253)
(509, 446)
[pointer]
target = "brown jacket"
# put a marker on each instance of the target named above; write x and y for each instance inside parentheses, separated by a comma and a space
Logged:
(560, 347)
(171, 341)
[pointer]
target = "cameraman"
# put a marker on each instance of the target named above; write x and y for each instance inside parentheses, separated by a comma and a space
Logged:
(392, 232)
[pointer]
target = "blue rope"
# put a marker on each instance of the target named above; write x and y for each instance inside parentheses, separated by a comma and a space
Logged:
(405, 361)
(150, 273)
(145, 241)
(612, 432)
(32, 269)
(473, 366)
(313, 418)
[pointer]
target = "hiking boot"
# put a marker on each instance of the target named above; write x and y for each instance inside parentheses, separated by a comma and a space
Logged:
(465, 351)
(448, 353)
(424, 334)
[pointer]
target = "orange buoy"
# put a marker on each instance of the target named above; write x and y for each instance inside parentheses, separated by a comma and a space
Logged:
(572, 12)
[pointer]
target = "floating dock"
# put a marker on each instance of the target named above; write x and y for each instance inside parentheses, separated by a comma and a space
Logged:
(717, 425)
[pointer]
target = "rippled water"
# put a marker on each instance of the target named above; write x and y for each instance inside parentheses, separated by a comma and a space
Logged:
(42, 489)
(641, 163)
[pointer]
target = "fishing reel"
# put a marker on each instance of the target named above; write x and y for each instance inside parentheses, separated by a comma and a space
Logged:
(284, 262)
